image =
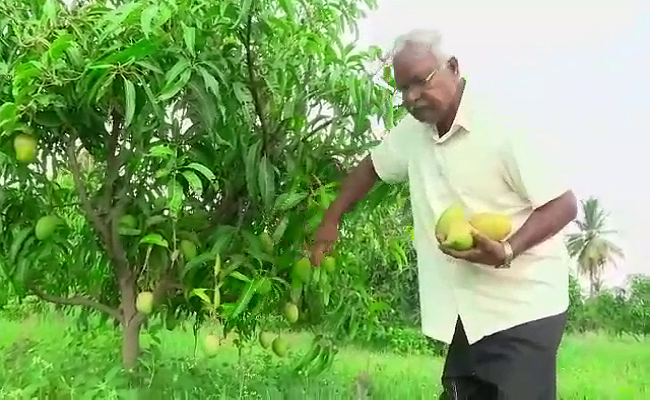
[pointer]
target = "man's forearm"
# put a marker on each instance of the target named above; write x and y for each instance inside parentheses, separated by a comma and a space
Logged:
(544, 222)
(354, 188)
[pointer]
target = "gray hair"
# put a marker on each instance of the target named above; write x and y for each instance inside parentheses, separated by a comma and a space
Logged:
(429, 39)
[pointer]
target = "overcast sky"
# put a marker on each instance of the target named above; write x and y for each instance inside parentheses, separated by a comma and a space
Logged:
(578, 72)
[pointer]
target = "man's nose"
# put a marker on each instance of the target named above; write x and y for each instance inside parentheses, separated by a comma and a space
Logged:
(411, 96)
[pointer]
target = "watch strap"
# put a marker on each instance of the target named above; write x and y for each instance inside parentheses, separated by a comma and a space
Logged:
(509, 255)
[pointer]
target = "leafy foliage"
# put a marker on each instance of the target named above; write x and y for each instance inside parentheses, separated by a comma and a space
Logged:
(219, 124)
(619, 311)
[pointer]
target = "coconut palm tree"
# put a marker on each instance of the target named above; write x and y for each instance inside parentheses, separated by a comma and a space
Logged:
(591, 246)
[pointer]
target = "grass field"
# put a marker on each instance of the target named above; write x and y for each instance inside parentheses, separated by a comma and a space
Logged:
(47, 358)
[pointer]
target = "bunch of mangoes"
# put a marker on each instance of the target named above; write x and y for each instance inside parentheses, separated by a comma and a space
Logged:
(454, 230)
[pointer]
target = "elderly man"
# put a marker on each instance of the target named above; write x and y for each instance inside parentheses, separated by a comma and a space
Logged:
(501, 305)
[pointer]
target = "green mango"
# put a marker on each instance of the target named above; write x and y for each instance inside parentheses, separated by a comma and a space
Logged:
(452, 214)
(459, 236)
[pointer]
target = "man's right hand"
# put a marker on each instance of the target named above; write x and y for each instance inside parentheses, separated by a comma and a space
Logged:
(354, 187)
(326, 236)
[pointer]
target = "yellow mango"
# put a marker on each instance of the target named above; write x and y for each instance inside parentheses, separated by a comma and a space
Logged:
(452, 214)
(459, 236)
(495, 226)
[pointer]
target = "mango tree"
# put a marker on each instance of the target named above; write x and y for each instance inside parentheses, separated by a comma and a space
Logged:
(173, 156)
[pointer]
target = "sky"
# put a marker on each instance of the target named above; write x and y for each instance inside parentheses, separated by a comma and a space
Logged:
(577, 71)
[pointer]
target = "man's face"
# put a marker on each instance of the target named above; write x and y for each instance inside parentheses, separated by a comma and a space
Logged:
(428, 88)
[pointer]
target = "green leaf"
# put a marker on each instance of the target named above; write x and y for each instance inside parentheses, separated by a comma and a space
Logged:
(245, 298)
(173, 89)
(162, 151)
(175, 195)
(223, 238)
(60, 45)
(266, 181)
(48, 119)
(242, 92)
(287, 201)
(154, 220)
(137, 51)
(197, 261)
(115, 19)
(49, 11)
(156, 239)
(152, 101)
(244, 11)
(181, 66)
(124, 231)
(194, 181)
(129, 97)
(17, 243)
(101, 86)
(189, 36)
(210, 82)
(147, 17)
(240, 276)
(150, 67)
(217, 266)
(280, 229)
(250, 165)
(205, 171)
(8, 115)
(200, 293)
(288, 7)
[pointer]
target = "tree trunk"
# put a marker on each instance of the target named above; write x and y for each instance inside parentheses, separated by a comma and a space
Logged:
(130, 322)
(130, 344)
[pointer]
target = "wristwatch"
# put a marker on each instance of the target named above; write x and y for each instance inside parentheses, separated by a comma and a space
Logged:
(509, 255)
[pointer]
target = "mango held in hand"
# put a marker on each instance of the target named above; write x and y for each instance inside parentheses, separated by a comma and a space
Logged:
(302, 270)
(280, 346)
(46, 226)
(495, 226)
(453, 213)
(459, 236)
(266, 338)
(211, 345)
(144, 303)
(25, 147)
(291, 312)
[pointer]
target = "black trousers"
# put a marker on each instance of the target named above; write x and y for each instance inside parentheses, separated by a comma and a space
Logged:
(519, 363)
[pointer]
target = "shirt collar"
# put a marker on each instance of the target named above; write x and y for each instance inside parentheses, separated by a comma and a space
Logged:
(463, 119)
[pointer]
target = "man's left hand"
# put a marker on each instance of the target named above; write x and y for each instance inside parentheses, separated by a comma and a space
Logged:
(485, 251)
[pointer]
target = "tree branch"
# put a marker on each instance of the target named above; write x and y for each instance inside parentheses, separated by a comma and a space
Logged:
(113, 160)
(81, 188)
(253, 81)
(114, 204)
(77, 301)
(326, 124)
(227, 211)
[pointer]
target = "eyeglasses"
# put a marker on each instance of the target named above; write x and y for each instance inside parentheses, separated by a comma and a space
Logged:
(398, 94)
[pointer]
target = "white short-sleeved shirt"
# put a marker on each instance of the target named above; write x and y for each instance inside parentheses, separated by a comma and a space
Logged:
(488, 164)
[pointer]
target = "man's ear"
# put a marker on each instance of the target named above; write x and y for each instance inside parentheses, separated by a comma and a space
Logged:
(452, 64)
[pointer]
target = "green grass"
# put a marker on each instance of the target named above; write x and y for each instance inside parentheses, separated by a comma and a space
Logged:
(47, 358)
